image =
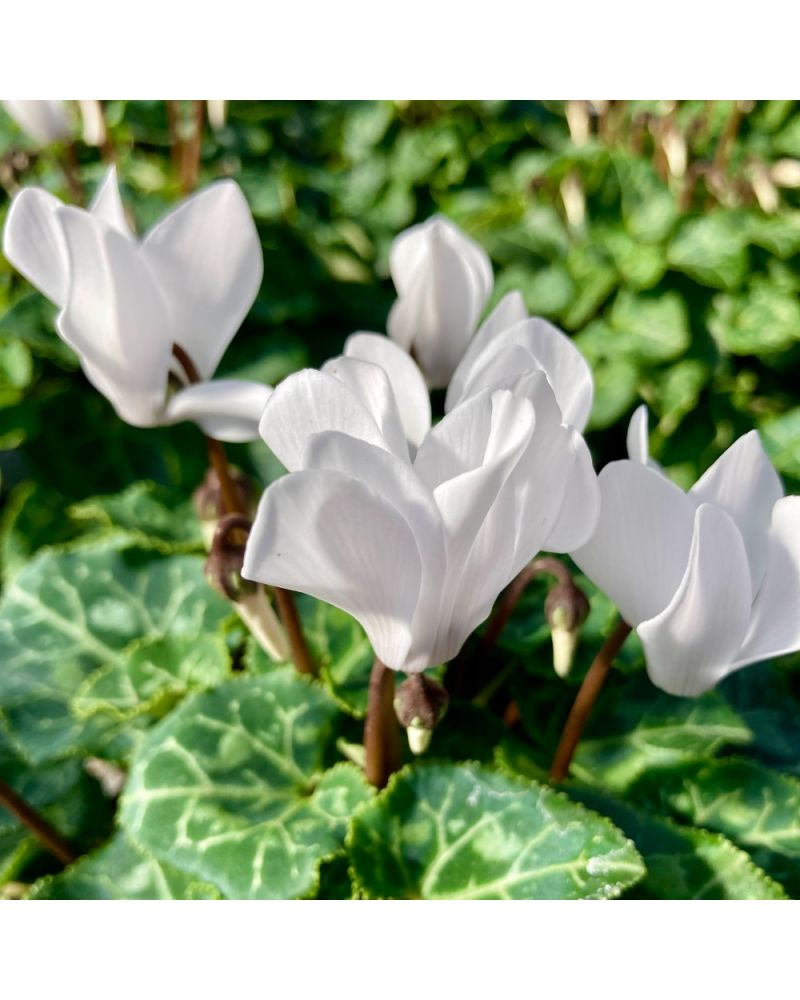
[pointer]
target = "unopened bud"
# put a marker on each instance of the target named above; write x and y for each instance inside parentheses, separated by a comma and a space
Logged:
(786, 173)
(420, 703)
(567, 608)
(209, 502)
(223, 567)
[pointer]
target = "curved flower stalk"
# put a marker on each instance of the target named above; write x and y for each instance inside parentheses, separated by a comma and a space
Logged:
(443, 281)
(45, 122)
(710, 579)
(125, 301)
(415, 543)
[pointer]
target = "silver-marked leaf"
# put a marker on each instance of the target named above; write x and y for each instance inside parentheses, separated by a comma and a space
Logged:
(121, 869)
(230, 788)
(442, 831)
(637, 728)
(153, 675)
(339, 646)
(68, 614)
(753, 805)
(146, 512)
(683, 862)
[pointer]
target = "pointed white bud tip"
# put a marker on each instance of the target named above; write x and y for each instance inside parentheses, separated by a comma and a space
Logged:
(419, 738)
(565, 642)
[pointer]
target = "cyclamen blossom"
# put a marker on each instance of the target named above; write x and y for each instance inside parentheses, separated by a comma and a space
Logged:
(414, 541)
(124, 301)
(710, 579)
(44, 121)
(443, 281)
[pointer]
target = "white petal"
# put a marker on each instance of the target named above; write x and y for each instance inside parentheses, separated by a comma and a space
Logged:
(457, 443)
(226, 409)
(396, 482)
(44, 121)
(328, 535)
(640, 548)
(370, 384)
(692, 643)
(207, 256)
(115, 318)
(34, 242)
(443, 280)
(107, 204)
(406, 380)
(744, 483)
(637, 440)
(509, 311)
(94, 123)
(775, 623)
(580, 506)
(466, 499)
(309, 402)
(552, 352)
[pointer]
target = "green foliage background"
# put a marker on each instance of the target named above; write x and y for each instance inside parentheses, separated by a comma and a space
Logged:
(681, 287)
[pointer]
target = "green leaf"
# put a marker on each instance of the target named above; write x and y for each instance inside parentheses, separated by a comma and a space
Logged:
(153, 676)
(121, 869)
(338, 645)
(230, 787)
(765, 321)
(780, 234)
(712, 249)
(30, 321)
(757, 807)
(683, 862)
(649, 328)
(68, 614)
(781, 437)
(443, 831)
(635, 728)
(149, 514)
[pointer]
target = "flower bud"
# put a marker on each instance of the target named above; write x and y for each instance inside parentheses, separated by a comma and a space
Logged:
(420, 703)
(567, 608)
(223, 568)
(209, 503)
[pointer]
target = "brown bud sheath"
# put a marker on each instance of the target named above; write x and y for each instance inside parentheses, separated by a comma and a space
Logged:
(420, 703)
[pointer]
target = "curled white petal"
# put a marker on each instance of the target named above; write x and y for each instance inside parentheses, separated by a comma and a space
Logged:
(693, 642)
(226, 409)
(107, 204)
(33, 241)
(44, 121)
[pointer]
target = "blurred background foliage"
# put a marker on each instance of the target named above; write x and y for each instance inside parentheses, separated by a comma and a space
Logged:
(664, 236)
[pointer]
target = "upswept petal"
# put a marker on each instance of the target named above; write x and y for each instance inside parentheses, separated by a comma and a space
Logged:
(411, 246)
(465, 500)
(551, 351)
(692, 643)
(328, 535)
(640, 548)
(115, 318)
(638, 439)
(33, 241)
(107, 205)
(370, 384)
(775, 623)
(207, 257)
(405, 378)
(226, 409)
(457, 443)
(580, 507)
(509, 311)
(309, 402)
(744, 483)
(44, 121)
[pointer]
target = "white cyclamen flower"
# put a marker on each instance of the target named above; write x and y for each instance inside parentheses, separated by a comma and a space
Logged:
(443, 281)
(414, 542)
(125, 301)
(44, 121)
(710, 579)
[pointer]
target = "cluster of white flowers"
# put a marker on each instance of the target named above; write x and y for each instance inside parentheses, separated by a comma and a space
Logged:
(414, 528)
